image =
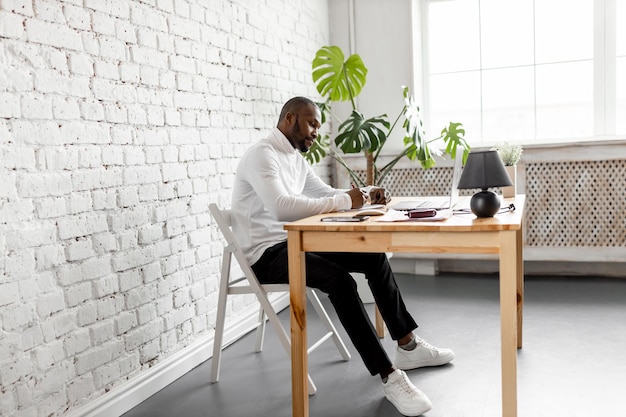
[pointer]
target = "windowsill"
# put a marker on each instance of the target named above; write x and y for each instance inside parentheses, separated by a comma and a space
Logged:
(559, 143)
(604, 148)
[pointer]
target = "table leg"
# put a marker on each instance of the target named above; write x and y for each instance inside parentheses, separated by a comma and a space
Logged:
(299, 359)
(509, 269)
(520, 287)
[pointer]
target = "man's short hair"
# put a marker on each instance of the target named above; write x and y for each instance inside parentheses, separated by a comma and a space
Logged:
(293, 105)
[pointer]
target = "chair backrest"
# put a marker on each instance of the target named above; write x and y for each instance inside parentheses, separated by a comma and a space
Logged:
(223, 218)
(224, 222)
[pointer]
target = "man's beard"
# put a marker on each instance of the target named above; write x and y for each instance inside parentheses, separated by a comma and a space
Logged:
(304, 148)
(298, 134)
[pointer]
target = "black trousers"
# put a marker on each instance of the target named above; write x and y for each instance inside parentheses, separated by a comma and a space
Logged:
(330, 273)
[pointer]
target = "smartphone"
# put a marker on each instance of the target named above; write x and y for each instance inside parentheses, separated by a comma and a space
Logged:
(345, 218)
(420, 213)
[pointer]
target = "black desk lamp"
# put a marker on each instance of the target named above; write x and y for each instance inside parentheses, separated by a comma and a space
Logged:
(484, 169)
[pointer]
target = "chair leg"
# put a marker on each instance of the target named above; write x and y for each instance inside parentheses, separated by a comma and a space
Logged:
(220, 319)
(312, 387)
(380, 323)
(281, 333)
(260, 331)
(319, 308)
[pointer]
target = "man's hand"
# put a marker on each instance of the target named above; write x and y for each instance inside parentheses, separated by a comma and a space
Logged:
(379, 195)
(358, 197)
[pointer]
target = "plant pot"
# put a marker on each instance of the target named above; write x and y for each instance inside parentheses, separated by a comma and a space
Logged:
(512, 190)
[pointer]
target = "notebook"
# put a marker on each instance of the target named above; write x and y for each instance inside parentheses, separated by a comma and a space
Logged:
(437, 203)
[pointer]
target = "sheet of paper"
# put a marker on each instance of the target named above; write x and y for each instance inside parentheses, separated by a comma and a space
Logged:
(371, 207)
(372, 210)
(367, 207)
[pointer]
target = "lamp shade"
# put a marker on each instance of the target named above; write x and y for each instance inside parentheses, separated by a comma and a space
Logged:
(484, 169)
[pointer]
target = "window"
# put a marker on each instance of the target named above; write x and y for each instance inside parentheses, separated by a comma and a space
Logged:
(524, 70)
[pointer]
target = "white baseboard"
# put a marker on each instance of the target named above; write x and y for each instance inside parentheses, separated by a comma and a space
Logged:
(148, 382)
(486, 265)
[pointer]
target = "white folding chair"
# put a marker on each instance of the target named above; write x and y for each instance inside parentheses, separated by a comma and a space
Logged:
(249, 284)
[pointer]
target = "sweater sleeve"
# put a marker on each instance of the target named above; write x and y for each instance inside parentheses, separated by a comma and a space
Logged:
(312, 195)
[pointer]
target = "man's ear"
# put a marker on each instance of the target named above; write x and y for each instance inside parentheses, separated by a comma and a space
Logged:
(289, 118)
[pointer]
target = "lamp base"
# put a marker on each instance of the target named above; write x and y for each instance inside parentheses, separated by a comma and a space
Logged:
(485, 203)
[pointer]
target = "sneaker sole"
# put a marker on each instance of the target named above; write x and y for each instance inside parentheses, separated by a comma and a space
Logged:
(411, 413)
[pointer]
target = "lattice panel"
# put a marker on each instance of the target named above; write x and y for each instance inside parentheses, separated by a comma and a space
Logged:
(418, 182)
(580, 203)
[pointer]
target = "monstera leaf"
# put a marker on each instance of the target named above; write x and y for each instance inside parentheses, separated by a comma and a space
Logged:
(417, 146)
(358, 134)
(415, 138)
(324, 110)
(335, 79)
(454, 136)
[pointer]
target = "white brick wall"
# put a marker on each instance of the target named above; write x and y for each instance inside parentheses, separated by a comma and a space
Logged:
(120, 121)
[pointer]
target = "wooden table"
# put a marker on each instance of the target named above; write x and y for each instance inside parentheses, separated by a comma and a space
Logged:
(464, 233)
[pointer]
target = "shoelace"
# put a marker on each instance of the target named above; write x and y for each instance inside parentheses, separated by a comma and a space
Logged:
(422, 342)
(406, 385)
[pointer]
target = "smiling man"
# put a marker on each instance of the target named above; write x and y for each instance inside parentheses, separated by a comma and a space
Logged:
(274, 185)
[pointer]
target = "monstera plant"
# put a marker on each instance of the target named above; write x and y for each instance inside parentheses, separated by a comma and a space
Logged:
(337, 79)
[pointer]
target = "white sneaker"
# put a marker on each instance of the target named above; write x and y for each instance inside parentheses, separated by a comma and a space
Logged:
(424, 354)
(409, 400)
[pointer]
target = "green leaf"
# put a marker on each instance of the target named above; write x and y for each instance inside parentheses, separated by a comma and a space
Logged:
(454, 136)
(413, 123)
(335, 79)
(415, 139)
(324, 110)
(357, 133)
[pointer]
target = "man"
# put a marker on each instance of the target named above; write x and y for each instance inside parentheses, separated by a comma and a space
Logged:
(274, 184)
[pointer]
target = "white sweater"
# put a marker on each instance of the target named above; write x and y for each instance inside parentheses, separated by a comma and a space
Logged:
(274, 185)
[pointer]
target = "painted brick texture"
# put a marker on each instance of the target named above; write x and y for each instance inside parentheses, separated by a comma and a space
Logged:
(120, 121)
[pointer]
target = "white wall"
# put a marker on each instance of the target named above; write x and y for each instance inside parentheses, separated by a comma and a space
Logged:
(382, 34)
(120, 121)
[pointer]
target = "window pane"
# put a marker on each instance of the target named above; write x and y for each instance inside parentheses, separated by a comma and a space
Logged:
(455, 98)
(564, 30)
(506, 33)
(508, 105)
(453, 36)
(565, 100)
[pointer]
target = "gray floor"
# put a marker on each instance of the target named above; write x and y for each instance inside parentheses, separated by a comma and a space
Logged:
(572, 363)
